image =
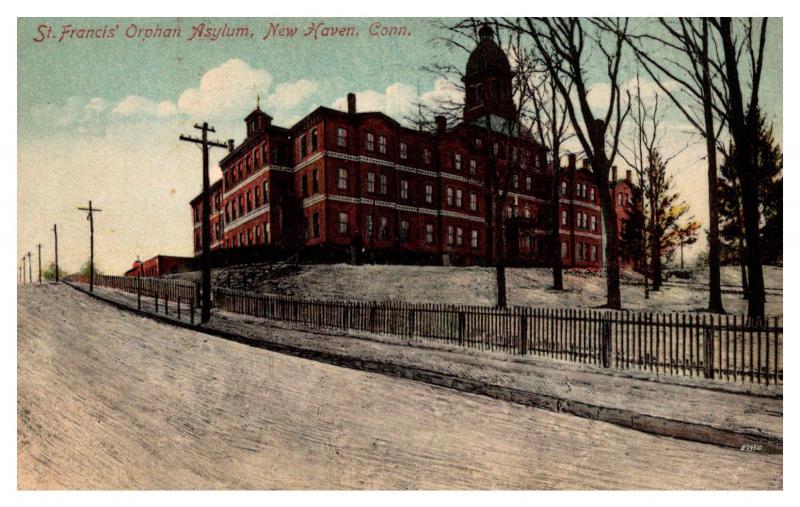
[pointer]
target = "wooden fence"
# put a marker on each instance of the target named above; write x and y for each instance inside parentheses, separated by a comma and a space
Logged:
(183, 294)
(721, 347)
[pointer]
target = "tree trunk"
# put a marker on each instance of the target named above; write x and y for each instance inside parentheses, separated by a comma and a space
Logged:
(555, 234)
(714, 289)
(500, 261)
(655, 255)
(613, 298)
(744, 133)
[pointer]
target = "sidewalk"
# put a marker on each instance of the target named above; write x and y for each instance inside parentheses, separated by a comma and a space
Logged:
(722, 413)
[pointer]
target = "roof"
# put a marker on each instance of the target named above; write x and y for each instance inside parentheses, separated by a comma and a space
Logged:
(487, 57)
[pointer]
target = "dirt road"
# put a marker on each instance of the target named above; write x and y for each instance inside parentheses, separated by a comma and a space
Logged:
(107, 400)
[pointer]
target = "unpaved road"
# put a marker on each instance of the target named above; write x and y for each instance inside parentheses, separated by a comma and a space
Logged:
(107, 400)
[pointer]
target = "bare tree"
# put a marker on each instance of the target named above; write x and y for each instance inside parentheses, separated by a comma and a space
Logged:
(743, 51)
(507, 140)
(564, 45)
(549, 116)
(690, 64)
(644, 155)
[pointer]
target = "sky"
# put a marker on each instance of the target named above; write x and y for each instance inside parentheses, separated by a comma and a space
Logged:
(99, 118)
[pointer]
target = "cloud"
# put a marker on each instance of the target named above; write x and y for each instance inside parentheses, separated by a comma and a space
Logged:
(85, 115)
(284, 103)
(229, 88)
(136, 105)
(400, 100)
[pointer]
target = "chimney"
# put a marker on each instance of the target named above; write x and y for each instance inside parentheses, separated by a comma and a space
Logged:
(628, 175)
(441, 124)
(572, 159)
(586, 163)
(351, 103)
(613, 173)
(230, 145)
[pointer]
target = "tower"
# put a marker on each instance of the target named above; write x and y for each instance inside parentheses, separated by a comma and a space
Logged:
(487, 80)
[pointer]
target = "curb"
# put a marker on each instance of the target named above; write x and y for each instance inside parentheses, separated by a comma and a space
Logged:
(655, 425)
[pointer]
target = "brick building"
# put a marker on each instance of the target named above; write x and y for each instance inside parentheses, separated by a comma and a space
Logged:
(339, 181)
(161, 265)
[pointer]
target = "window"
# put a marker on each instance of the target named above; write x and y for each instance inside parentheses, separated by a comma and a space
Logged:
(342, 222)
(303, 147)
(249, 201)
(370, 182)
(473, 240)
(426, 156)
(314, 181)
(384, 185)
(255, 158)
(258, 234)
(473, 167)
(369, 226)
(459, 203)
(449, 198)
(459, 236)
(266, 233)
(593, 252)
(341, 180)
(473, 201)
(528, 183)
(591, 194)
(564, 250)
(564, 217)
(526, 212)
(404, 231)
(370, 142)
(563, 188)
(314, 140)
(241, 205)
(315, 225)
(429, 234)
(515, 181)
(304, 185)
(257, 197)
(382, 144)
(403, 151)
(266, 192)
(428, 193)
(341, 137)
(249, 164)
(404, 189)
(450, 238)
(384, 228)
(457, 161)
(594, 224)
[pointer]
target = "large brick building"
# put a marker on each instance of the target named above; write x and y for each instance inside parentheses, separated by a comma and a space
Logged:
(337, 181)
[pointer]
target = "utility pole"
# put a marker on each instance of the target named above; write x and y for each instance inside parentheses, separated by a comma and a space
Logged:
(90, 217)
(39, 247)
(55, 234)
(205, 144)
(30, 269)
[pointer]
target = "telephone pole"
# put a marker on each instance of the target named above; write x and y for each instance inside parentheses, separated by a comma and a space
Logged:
(39, 246)
(205, 144)
(90, 217)
(30, 269)
(55, 234)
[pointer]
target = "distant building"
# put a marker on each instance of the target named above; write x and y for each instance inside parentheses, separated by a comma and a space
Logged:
(340, 180)
(161, 265)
